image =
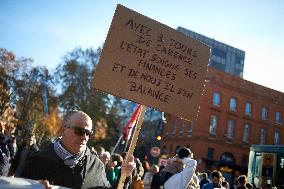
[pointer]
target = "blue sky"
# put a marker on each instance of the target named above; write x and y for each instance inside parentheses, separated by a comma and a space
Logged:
(47, 30)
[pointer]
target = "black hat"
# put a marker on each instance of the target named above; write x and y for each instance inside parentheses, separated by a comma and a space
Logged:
(184, 152)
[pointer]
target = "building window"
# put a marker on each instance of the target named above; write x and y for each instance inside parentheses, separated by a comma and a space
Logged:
(278, 117)
(262, 136)
(219, 53)
(248, 109)
(233, 104)
(246, 133)
(183, 126)
(264, 113)
(230, 129)
(213, 124)
(190, 125)
(210, 153)
(216, 99)
(276, 137)
(175, 126)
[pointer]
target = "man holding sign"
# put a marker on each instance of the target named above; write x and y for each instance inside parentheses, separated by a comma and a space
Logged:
(68, 161)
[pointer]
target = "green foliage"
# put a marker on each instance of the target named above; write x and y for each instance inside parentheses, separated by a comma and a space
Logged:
(69, 87)
(75, 79)
(23, 86)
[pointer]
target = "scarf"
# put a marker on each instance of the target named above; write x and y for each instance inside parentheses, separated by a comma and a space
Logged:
(69, 159)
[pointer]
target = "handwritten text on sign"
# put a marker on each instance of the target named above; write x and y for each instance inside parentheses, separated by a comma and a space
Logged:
(152, 64)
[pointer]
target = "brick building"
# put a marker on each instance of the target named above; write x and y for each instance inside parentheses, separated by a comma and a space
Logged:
(234, 114)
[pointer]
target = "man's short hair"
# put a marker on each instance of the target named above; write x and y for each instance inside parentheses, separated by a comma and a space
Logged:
(106, 154)
(242, 179)
(69, 115)
(117, 157)
(184, 152)
(216, 174)
(204, 175)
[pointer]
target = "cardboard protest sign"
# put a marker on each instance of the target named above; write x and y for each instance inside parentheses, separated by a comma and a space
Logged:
(152, 64)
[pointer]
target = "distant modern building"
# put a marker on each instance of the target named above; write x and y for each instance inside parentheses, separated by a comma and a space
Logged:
(223, 57)
(234, 114)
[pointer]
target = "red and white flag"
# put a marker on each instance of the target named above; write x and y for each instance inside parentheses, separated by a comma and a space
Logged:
(131, 123)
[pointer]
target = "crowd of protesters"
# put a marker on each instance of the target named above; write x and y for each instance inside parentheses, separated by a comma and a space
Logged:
(68, 162)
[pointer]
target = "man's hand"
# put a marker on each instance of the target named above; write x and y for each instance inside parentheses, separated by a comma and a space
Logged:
(46, 184)
(128, 166)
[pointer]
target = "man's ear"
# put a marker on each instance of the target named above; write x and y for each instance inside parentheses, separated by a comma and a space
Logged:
(61, 130)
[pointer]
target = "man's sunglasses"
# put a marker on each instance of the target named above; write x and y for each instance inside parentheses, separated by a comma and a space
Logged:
(79, 130)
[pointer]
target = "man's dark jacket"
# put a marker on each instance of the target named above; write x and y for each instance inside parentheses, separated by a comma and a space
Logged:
(203, 181)
(89, 173)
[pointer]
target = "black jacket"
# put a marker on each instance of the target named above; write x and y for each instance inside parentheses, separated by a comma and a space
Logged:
(89, 173)
(15, 162)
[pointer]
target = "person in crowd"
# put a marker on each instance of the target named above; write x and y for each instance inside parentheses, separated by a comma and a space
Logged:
(194, 183)
(4, 152)
(234, 185)
(146, 167)
(174, 165)
(105, 157)
(161, 168)
(12, 146)
(242, 180)
(225, 184)
(137, 175)
(68, 161)
(181, 180)
(113, 169)
(249, 185)
(137, 183)
(27, 149)
(204, 180)
(216, 177)
(100, 150)
(147, 180)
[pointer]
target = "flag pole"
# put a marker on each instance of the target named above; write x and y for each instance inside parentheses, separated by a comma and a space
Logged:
(113, 150)
(133, 142)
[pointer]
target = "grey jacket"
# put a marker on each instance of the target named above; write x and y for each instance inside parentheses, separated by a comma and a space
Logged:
(89, 173)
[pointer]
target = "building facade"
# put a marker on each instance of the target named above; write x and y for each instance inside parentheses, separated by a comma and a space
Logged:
(223, 57)
(234, 114)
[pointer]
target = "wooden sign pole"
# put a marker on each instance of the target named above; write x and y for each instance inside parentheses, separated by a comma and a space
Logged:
(133, 143)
